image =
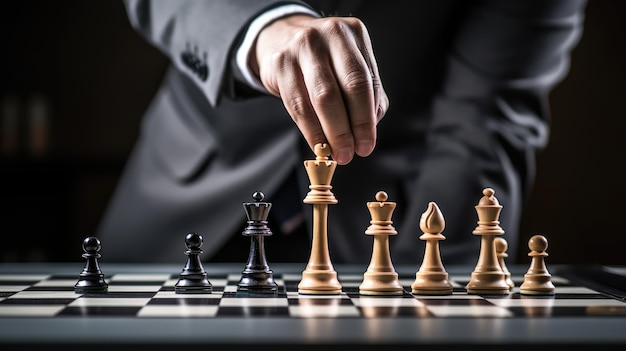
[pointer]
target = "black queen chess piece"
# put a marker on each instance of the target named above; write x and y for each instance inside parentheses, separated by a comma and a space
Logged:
(193, 279)
(257, 275)
(91, 279)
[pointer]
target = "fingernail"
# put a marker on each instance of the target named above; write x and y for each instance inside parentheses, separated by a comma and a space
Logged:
(364, 147)
(344, 156)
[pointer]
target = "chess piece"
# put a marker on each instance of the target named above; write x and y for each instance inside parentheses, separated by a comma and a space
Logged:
(91, 279)
(257, 276)
(381, 277)
(488, 277)
(537, 280)
(319, 276)
(193, 279)
(501, 247)
(432, 278)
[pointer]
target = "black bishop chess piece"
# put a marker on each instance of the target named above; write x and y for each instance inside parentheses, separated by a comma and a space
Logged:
(91, 279)
(257, 276)
(193, 279)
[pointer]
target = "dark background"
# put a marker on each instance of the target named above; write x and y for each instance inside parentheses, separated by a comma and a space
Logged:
(93, 76)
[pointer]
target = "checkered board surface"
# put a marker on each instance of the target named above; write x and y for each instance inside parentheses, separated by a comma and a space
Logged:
(153, 296)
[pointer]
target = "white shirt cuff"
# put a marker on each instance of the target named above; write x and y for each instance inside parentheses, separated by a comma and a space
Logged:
(255, 27)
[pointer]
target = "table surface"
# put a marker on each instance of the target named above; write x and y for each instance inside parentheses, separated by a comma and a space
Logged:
(305, 332)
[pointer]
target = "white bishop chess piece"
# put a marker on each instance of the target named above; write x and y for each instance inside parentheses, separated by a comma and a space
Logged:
(432, 278)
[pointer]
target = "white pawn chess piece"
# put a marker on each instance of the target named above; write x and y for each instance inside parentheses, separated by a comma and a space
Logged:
(381, 277)
(432, 278)
(537, 280)
(501, 247)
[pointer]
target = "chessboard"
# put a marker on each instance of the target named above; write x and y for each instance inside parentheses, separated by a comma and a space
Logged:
(39, 306)
(153, 295)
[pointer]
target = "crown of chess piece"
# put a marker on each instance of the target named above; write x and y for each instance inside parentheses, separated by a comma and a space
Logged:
(537, 280)
(381, 277)
(320, 172)
(432, 278)
(488, 277)
(193, 279)
(319, 276)
(257, 275)
(501, 247)
(91, 279)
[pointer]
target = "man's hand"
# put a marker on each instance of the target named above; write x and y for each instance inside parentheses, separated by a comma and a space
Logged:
(325, 72)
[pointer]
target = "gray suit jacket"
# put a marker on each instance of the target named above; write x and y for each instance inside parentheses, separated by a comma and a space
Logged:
(468, 83)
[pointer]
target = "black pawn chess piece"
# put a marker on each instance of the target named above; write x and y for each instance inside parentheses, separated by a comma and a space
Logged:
(91, 279)
(193, 279)
(257, 276)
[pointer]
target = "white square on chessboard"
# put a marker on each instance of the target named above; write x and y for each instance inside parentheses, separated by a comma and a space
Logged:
(233, 277)
(386, 302)
(469, 311)
(255, 302)
(174, 295)
(218, 282)
(323, 311)
(45, 295)
(170, 282)
(548, 302)
(292, 277)
(531, 302)
(57, 283)
(134, 288)
(127, 277)
(23, 277)
(108, 302)
(13, 288)
(574, 290)
(30, 311)
(178, 311)
(230, 288)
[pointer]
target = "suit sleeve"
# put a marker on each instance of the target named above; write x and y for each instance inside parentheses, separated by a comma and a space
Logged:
(504, 62)
(198, 37)
(491, 115)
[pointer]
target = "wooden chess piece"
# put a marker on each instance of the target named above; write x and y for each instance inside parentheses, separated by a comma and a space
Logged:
(501, 247)
(91, 279)
(381, 277)
(319, 276)
(257, 276)
(193, 279)
(537, 280)
(432, 278)
(488, 277)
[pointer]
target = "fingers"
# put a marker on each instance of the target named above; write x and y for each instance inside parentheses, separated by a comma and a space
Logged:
(327, 78)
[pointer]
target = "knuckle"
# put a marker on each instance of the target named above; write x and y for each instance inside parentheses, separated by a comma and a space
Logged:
(306, 37)
(299, 107)
(324, 94)
(357, 82)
